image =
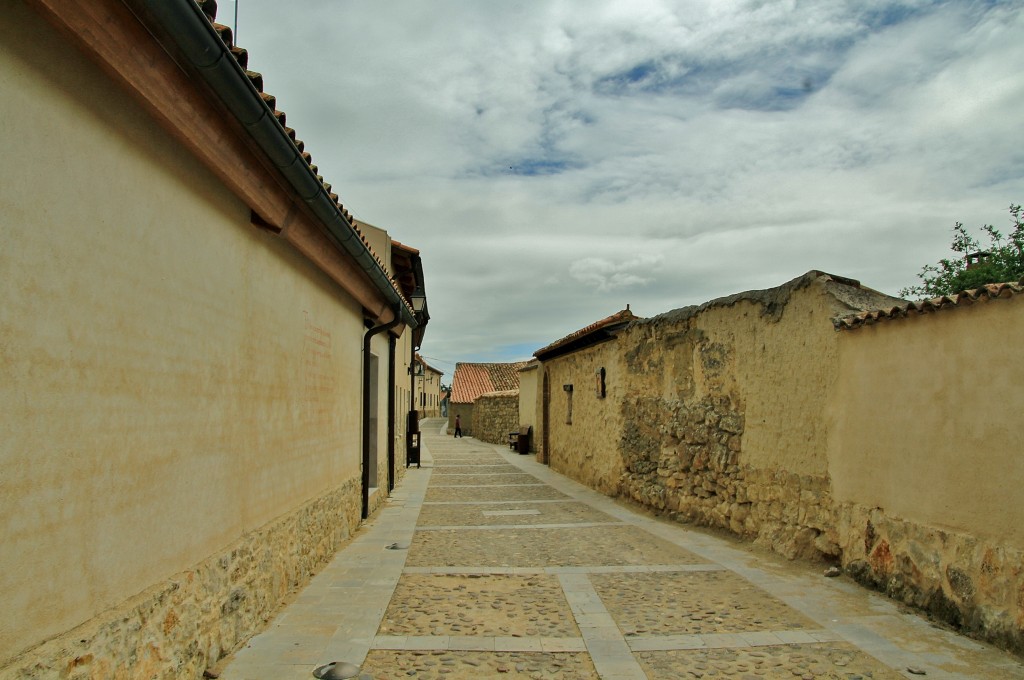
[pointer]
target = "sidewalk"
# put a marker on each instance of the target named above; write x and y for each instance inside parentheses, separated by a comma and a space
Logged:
(485, 564)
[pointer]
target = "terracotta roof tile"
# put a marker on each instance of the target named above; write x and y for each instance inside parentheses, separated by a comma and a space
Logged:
(992, 291)
(617, 319)
(472, 380)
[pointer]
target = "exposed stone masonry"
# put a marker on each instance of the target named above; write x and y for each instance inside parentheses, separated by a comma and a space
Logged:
(682, 459)
(183, 626)
(495, 415)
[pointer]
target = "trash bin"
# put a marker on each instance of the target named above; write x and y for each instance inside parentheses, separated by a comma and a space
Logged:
(523, 445)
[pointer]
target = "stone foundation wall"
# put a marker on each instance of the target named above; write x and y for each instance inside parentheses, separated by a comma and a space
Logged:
(974, 584)
(495, 415)
(178, 629)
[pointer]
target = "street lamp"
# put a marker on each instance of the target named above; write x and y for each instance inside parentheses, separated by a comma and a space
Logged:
(418, 298)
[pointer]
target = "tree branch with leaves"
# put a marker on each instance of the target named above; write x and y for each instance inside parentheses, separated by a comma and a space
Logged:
(1001, 261)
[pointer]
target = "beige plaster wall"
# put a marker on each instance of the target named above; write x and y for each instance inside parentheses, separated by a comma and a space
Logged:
(926, 462)
(170, 377)
(926, 419)
(587, 449)
(529, 413)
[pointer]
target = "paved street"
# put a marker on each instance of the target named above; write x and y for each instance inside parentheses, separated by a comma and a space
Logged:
(484, 564)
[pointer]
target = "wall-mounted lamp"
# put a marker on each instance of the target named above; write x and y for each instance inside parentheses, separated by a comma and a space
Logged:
(418, 298)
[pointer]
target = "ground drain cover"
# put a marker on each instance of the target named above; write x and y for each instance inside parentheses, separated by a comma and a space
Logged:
(337, 670)
(397, 546)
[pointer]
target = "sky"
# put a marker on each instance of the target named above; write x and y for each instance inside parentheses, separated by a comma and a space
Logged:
(554, 161)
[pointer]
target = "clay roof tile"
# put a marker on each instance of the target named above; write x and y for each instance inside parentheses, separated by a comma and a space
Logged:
(991, 291)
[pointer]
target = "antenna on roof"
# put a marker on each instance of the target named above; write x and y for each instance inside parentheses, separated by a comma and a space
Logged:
(234, 30)
(627, 306)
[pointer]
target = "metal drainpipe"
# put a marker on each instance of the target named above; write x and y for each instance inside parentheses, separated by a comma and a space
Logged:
(392, 341)
(412, 377)
(366, 408)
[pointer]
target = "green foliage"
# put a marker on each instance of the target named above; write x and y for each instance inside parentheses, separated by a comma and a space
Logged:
(1004, 262)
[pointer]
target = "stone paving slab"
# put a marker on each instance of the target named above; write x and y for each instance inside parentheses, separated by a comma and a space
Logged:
(533, 547)
(672, 603)
(451, 665)
(783, 662)
(466, 479)
(443, 471)
(516, 492)
(479, 605)
(523, 514)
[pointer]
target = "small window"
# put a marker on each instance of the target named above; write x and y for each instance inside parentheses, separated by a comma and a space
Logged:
(568, 404)
(599, 385)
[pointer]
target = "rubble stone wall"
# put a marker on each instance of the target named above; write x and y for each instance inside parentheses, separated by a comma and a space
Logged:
(183, 626)
(495, 415)
(724, 415)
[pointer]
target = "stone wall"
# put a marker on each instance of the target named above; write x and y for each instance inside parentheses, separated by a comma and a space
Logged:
(180, 628)
(495, 415)
(750, 414)
(723, 414)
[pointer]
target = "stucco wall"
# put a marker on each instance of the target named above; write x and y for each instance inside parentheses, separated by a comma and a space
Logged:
(587, 448)
(528, 400)
(926, 460)
(171, 379)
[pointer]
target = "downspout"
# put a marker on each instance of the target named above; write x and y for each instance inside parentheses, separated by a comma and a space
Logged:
(392, 341)
(366, 407)
(412, 403)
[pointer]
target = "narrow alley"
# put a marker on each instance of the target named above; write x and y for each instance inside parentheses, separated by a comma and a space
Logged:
(485, 564)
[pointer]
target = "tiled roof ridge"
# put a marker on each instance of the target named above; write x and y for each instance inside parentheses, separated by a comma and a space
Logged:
(621, 316)
(241, 55)
(500, 393)
(991, 291)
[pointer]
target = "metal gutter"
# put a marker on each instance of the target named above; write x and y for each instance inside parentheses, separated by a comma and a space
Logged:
(194, 41)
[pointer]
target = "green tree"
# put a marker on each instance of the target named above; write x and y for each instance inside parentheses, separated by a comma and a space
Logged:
(1002, 260)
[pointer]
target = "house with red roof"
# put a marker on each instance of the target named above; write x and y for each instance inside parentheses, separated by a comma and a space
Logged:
(471, 381)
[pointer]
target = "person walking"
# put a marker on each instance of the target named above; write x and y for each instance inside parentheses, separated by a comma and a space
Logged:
(458, 426)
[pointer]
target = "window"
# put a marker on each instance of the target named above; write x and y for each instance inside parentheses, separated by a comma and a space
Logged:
(568, 404)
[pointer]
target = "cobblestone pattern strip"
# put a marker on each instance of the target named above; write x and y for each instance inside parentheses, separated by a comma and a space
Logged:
(608, 650)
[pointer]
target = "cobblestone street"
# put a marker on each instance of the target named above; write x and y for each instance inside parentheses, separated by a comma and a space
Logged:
(485, 564)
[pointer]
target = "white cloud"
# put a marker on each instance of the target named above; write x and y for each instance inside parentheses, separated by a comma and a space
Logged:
(606, 275)
(549, 158)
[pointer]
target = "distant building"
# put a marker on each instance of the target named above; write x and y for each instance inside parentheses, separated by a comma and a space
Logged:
(472, 380)
(428, 388)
